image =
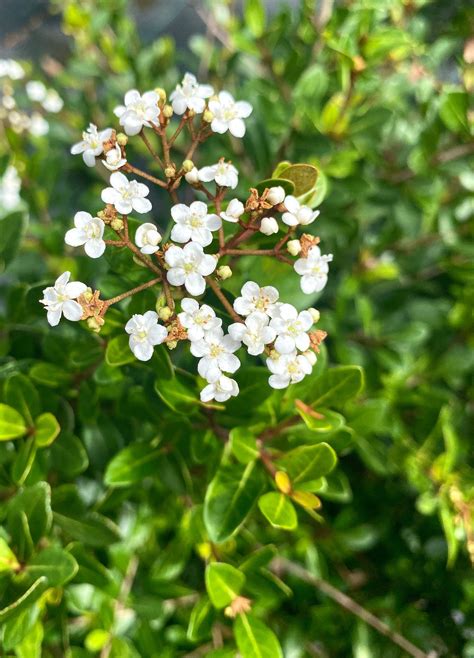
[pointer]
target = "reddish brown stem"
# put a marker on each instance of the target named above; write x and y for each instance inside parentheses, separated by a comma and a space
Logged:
(227, 305)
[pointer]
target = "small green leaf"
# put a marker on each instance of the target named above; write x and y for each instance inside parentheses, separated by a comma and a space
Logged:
(118, 352)
(200, 620)
(287, 185)
(177, 395)
(12, 424)
(335, 386)
(50, 375)
(278, 510)
(453, 111)
(23, 396)
(47, 429)
(57, 565)
(303, 177)
(254, 17)
(132, 464)
(308, 462)
(26, 599)
(93, 529)
(8, 561)
(243, 444)
(331, 421)
(223, 583)
(254, 639)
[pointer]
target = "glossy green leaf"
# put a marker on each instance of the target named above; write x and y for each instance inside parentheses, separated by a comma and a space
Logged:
(8, 560)
(308, 462)
(12, 424)
(57, 565)
(254, 639)
(27, 599)
(118, 352)
(243, 444)
(278, 510)
(132, 464)
(223, 583)
(47, 429)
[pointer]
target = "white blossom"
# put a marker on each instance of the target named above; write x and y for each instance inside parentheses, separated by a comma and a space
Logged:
(216, 353)
(224, 173)
(297, 214)
(89, 232)
(147, 237)
(276, 195)
(92, 144)
(269, 226)
(233, 211)
(9, 68)
(313, 270)
(60, 299)
(126, 195)
(190, 95)
(288, 369)
(138, 111)
(197, 320)
(36, 91)
(145, 333)
(194, 223)
(220, 390)
(253, 298)
(291, 328)
(229, 114)
(38, 126)
(255, 333)
(192, 177)
(188, 266)
(114, 159)
(294, 247)
(53, 102)
(10, 186)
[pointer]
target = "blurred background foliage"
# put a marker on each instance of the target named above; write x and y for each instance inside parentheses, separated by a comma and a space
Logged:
(378, 96)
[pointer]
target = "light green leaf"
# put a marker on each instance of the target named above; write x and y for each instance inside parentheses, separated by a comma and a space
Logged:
(57, 565)
(308, 462)
(118, 352)
(303, 176)
(331, 421)
(25, 600)
(30, 646)
(278, 510)
(8, 561)
(254, 17)
(223, 583)
(254, 639)
(200, 620)
(453, 111)
(23, 396)
(47, 429)
(243, 444)
(335, 386)
(12, 424)
(132, 464)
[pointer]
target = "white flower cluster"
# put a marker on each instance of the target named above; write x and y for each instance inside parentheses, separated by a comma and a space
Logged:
(19, 120)
(10, 186)
(262, 325)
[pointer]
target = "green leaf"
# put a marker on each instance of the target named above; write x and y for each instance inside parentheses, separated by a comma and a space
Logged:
(453, 111)
(26, 600)
(303, 177)
(331, 421)
(8, 561)
(50, 375)
(33, 506)
(335, 386)
(308, 462)
(177, 395)
(24, 460)
(118, 352)
(47, 429)
(23, 396)
(254, 639)
(93, 529)
(11, 229)
(30, 646)
(287, 185)
(132, 464)
(254, 17)
(230, 498)
(57, 565)
(223, 583)
(243, 444)
(12, 424)
(278, 510)
(69, 455)
(200, 620)
(16, 628)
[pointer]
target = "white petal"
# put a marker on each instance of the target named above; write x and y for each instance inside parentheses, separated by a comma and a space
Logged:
(284, 344)
(237, 128)
(54, 317)
(94, 248)
(141, 205)
(72, 310)
(75, 288)
(176, 276)
(195, 284)
(75, 237)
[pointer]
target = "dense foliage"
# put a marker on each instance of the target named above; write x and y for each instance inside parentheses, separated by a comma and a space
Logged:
(136, 521)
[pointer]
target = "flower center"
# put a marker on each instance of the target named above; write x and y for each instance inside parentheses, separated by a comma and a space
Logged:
(195, 221)
(293, 368)
(215, 351)
(189, 268)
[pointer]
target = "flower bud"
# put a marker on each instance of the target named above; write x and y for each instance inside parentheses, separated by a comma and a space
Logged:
(168, 111)
(276, 195)
(161, 93)
(160, 302)
(293, 247)
(191, 113)
(310, 356)
(207, 116)
(165, 313)
(315, 314)
(95, 323)
(224, 272)
(117, 224)
(283, 482)
(88, 295)
(192, 177)
(170, 171)
(268, 226)
(172, 344)
(188, 165)
(101, 214)
(122, 139)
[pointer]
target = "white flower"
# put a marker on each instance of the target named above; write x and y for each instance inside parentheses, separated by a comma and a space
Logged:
(10, 68)
(216, 353)
(145, 333)
(88, 231)
(10, 186)
(194, 223)
(298, 214)
(59, 299)
(189, 265)
(293, 247)
(228, 114)
(138, 111)
(92, 144)
(253, 298)
(114, 159)
(147, 238)
(190, 95)
(233, 211)
(276, 195)
(197, 320)
(225, 174)
(192, 177)
(255, 333)
(313, 270)
(220, 390)
(126, 195)
(268, 226)
(38, 126)
(35, 90)
(288, 369)
(53, 102)
(291, 328)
